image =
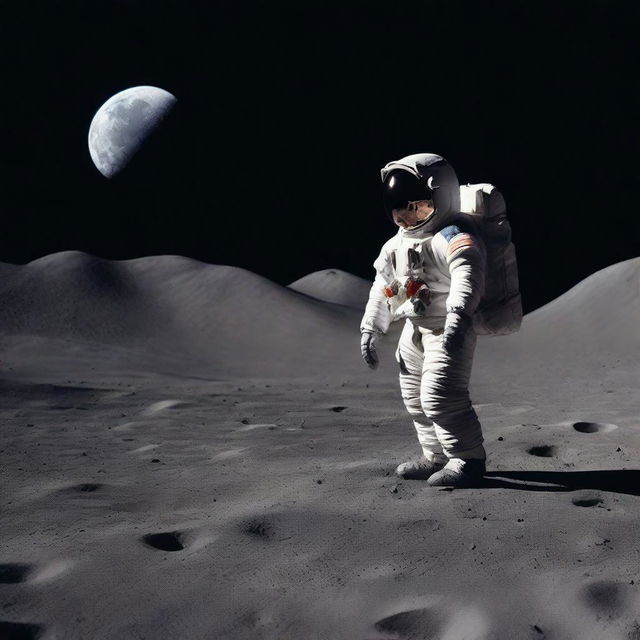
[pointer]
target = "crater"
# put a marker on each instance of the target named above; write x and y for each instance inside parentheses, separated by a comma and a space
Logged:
(594, 427)
(165, 541)
(19, 630)
(87, 487)
(587, 502)
(259, 528)
(542, 451)
(416, 623)
(13, 573)
(604, 596)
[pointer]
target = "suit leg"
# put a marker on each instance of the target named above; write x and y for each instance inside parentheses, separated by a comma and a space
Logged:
(410, 357)
(445, 396)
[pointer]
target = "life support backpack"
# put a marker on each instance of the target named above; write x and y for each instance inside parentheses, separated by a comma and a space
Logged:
(500, 309)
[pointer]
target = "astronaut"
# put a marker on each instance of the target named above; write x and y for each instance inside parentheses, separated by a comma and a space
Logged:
(431, 274)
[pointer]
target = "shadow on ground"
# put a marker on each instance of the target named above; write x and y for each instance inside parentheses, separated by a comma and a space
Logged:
(618, 481)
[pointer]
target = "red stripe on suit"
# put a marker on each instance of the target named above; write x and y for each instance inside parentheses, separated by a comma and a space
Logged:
(460, 241)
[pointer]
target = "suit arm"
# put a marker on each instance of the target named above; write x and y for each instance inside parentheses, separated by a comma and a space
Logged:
(377, 315)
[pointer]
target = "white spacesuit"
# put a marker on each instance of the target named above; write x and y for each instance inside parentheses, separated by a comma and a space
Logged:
(431, 273)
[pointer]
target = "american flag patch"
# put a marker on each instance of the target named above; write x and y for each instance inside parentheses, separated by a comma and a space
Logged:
(460, 241)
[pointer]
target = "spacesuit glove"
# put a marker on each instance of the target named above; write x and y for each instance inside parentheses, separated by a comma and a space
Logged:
(368, 349)
(455, 328)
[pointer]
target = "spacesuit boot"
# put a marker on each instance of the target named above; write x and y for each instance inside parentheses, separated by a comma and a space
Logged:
(459, 473)
(420, 469)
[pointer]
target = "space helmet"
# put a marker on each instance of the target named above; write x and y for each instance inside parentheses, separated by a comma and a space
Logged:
(422, 176)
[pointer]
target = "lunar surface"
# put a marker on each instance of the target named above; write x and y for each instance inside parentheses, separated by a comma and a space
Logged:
(193, 451)
(123, 123)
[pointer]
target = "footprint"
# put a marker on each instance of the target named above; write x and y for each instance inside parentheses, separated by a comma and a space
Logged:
(19, 630)
(14, 573)
(167, 541)
(542, 451)
(594, 427)
(416, 624)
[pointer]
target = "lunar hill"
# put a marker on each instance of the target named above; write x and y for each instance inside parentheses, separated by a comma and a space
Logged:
(588, 335)
(335, 285)
(175, 313)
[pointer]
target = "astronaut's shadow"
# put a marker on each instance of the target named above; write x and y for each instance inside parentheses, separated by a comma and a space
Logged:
(617, 481)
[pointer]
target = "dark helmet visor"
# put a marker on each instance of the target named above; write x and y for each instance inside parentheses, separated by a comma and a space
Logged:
(400, 188)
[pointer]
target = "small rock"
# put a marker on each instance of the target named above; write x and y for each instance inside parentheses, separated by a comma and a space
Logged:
(500, 438)
(394, 488)
(472, 547)
(618, 449)
(155, 460)
(319, 481)
(244, 421)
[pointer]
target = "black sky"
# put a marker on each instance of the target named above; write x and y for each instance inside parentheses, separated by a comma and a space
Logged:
(288, 110)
